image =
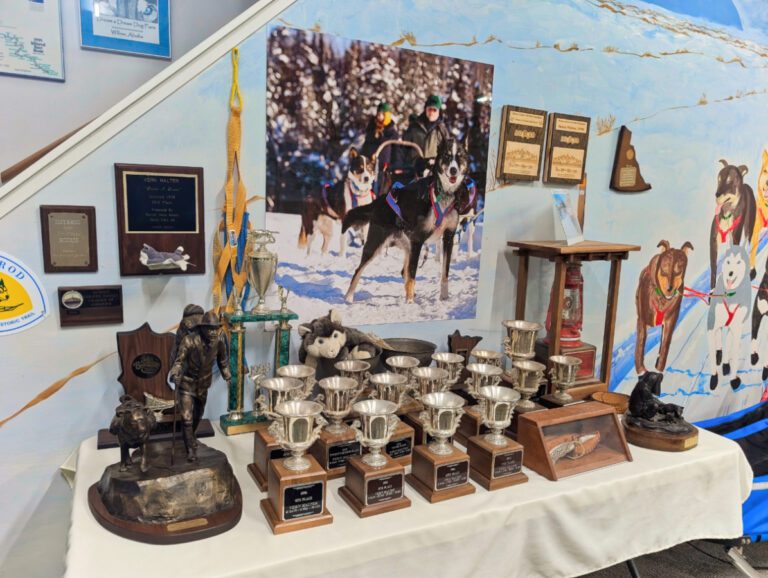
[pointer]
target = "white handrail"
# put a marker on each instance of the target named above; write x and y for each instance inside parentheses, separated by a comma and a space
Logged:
(155, 90)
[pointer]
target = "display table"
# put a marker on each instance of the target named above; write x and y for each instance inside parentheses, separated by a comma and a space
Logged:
(541, 528)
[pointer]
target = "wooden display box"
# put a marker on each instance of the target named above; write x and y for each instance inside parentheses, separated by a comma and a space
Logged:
(571, 440)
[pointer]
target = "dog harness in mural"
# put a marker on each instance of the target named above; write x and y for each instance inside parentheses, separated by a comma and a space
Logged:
(357, 197)
(731, 314)
(724, 233)
(438, 212)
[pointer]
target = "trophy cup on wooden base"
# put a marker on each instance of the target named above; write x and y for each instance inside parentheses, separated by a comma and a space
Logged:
(440, 471)
(394, 388)
(425, 380)
(562, 372)
(480, 375)
(519, 345)
(496, 461)
(487, 356)
(274, 390)
(374, 482)
(354, 368)
(297, 484)
(453, 363)
(402, 365)
(337, 441)
(303, 372)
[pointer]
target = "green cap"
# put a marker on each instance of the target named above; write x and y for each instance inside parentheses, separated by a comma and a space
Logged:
(434, 101)
(384, 107)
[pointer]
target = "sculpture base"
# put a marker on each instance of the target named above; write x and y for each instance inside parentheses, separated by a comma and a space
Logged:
(248, 423)
(659, 440)
(164, 505)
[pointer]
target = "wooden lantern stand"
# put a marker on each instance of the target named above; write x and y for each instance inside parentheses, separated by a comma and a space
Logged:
(563, 255)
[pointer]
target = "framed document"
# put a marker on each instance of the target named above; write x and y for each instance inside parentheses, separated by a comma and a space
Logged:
(69, 239)
(521, 140)
(141, 27)
(567, 138)
(160, 220)
(30, 39)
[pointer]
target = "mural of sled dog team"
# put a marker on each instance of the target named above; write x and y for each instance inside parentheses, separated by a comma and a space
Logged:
(740, 217)
(376, 166)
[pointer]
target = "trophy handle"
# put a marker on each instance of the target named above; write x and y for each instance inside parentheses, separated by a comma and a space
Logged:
(424, 419)
(358, 392)
(261, 404)
(392, 425)
(355, 425)
(496, 380)
(320, 398)
(297, 394)
(320, 422)
(469, 382)
(366, 379)
(402, 399)
(276, 431)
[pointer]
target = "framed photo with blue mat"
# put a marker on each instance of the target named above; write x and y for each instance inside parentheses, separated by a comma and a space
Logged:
(139, 27)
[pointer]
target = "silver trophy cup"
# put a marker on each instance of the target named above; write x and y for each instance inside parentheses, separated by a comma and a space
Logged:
(402, 364)
(389, 387)
(296, 428)
(429, 380)
(496, 405)
(527, 375)
(521, 338)
(303, 372)
(354, 368)
(562, 372)
(377, 424)
(262, 266)
(451, 362)
(487, 356)
(481, 375)
(275, 390)
(440, 418)
(339, 393)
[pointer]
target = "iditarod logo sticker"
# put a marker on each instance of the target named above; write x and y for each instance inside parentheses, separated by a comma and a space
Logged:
(23, 303)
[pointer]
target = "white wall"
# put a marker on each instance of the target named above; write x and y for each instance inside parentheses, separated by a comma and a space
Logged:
(35, 112)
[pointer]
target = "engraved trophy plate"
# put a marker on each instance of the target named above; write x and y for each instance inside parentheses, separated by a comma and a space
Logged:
(507, 464)
(302, 501)
(339, 454)
(399, 448)
(452, 475)
(384, 489)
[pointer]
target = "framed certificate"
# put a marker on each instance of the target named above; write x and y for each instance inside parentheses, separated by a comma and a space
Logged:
(140, 27)
(30, 39)
(69, 239)
(160, 220)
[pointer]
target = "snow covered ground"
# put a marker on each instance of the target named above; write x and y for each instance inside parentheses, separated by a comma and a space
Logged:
(319, 282)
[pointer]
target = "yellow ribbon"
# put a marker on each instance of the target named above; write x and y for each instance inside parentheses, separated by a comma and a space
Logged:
(225, 254)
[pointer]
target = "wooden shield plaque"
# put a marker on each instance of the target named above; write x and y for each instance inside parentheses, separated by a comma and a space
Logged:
(160, 220)
(145, 362)
(69, 238)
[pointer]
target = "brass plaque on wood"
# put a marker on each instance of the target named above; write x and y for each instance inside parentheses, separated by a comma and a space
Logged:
(92, 305)
(69, 238)
(145, 362)
(626, 177)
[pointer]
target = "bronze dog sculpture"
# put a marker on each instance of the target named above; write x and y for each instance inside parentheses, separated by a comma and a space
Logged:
(133, 423)
(658, 299)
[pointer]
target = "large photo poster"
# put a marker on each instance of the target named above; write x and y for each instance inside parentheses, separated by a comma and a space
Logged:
(376, 170)
(30, 39)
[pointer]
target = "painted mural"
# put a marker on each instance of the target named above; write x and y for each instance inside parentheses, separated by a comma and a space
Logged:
(691, 87)
(360, 141)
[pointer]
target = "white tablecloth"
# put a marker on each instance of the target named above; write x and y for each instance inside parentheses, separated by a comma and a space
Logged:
(541, 528)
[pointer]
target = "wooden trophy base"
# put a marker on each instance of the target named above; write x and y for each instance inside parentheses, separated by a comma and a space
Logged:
(410, 405)
(332, 451)
(296, 500)
(586, 352)
(265, 448)
(400, 446)
(370, 491)
(439, 478)
(550, 400)
(470, 426)
(495, 467)
(656, 440)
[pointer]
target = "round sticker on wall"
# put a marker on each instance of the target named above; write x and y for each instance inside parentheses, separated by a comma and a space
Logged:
(23, 302)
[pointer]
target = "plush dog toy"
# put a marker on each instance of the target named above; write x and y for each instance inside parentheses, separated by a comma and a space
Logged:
(326, 338)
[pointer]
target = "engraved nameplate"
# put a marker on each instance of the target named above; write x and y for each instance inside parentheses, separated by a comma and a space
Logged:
(186, 525)
(279, 453)
(399, 448)
(384, 489)
(507, 464)
(339, 454)
(452, 475)
(303, 500)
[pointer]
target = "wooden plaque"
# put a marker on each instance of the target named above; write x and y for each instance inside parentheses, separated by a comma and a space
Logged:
(570, 440)
(521, 142)
(145, 362)
(567, 138)
(92, 305)
(160, 220)
(625, 176)
(69, 238)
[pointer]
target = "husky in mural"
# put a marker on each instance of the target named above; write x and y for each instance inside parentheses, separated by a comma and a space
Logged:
(427, 209)
(761, 217)
(735, 212)
(658, 299)
(760, 310)
(728, 310)
(319, 213)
